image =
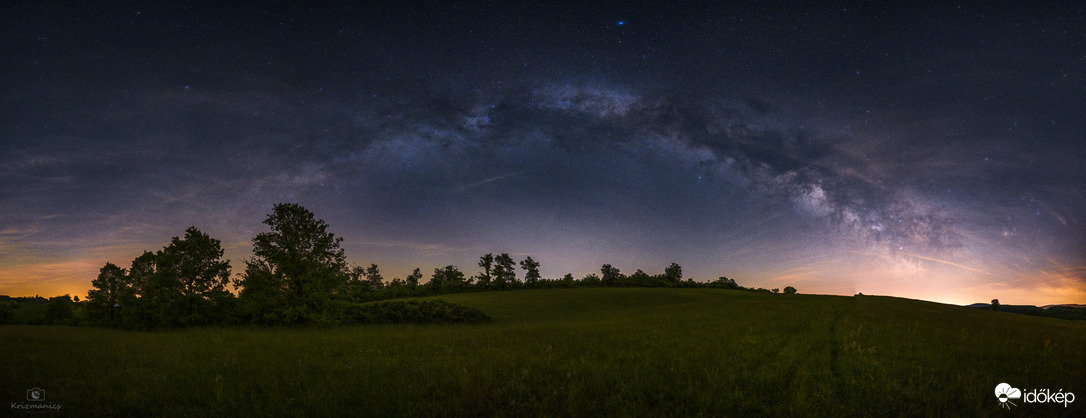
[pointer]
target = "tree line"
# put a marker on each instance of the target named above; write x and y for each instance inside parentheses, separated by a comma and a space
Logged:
(298, 274)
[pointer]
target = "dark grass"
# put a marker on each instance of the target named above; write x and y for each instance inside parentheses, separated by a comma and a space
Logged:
(572, 352)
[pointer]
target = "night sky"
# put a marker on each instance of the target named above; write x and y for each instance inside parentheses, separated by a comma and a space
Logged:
(929, 150)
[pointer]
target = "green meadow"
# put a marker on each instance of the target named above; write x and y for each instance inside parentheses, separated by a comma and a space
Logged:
(571, 352)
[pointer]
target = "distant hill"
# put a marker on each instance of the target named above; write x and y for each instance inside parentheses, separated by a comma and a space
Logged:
(1064, 311)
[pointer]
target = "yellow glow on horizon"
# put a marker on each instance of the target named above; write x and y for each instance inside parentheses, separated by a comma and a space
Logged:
(71, 277)
(872, 274)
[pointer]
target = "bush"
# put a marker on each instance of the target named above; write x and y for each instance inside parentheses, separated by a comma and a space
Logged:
(413, 312)
(60, 311)
(6, 315)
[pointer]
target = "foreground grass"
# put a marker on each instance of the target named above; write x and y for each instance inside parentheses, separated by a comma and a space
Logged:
(572, 352)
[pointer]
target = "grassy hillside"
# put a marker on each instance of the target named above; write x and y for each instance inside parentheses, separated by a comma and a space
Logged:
(573, 352)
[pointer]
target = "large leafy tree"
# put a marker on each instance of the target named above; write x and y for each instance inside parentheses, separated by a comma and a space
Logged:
(187, 285)
(141, 275)
(142, 271)
(298, 270)
(110, 296)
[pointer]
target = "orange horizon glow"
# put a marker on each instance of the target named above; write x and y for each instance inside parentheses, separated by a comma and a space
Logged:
(961, 286)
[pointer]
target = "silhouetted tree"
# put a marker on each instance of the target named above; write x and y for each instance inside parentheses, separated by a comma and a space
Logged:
(110, 289)
(373, 276)
(789, 290)
(505, 273)
(610, 274)
(188, 283)
(995, 304)
(531, 270)
(143, 268)
(640, 278)
(673, 273)
(568, 279)
(138, 312)
(357, 284)
(776, 290)
(447, 279)
(298, 270)
(486, 262)
(60, 310)
(413, 279)
(725, 283)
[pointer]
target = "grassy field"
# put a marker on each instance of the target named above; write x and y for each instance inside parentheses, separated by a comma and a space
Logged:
(572, 352)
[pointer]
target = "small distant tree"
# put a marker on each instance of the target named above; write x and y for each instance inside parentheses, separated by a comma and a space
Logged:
(531, 270)
(447, 279)
(356, 282)
(640, 278)
(673, 273)
(610, 274)
(373, 276)
(413, 279)
(776, 290)
(568, 279)
(504, 272)
(725, 283)
(995, 304)
(789, 290)
(486, 262)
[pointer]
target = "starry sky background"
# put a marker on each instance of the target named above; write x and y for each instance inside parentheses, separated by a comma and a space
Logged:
(931, 150)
